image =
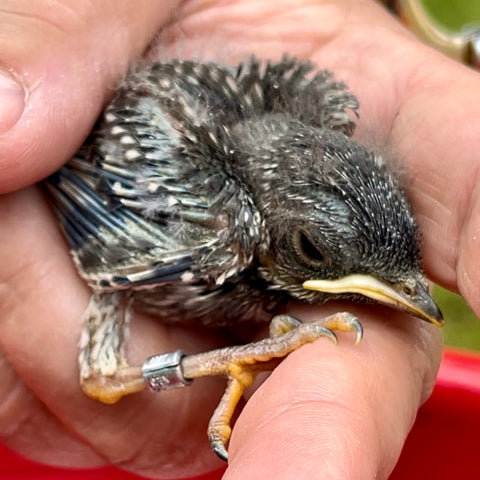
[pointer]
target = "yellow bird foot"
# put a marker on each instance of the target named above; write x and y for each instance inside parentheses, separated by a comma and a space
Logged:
(241, 364)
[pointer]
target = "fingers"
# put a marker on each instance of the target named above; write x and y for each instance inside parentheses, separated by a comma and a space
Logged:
(65, 69)
(59, 64)
(42, 300)
(436, 133)
(338, 411)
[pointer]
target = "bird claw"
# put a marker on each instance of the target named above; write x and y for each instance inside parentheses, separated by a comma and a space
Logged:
(325, 332)
(219, 449)
(343, 322)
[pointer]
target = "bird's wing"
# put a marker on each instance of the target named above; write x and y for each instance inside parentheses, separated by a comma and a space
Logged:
(150, 198)
(147, 200)
(113, 247)
(288, 86)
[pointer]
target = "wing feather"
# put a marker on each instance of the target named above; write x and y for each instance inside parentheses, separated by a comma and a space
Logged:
(151, 197)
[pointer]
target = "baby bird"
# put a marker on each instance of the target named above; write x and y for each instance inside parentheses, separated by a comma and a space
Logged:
(214, 194)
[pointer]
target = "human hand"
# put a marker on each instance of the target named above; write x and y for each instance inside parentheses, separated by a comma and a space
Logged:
(335, 412)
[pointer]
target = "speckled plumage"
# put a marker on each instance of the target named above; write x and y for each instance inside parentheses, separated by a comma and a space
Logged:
(211, 193)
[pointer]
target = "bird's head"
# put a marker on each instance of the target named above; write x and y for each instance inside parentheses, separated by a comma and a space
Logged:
(340, 226)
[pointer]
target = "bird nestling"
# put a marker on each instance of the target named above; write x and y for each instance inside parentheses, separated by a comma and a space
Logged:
(214, 194)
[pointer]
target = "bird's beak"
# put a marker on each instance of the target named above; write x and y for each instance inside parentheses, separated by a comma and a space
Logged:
(414, 299)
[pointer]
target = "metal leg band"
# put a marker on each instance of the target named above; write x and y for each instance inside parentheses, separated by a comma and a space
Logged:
(164, 371)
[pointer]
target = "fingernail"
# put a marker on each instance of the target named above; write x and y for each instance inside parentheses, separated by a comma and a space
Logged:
(12, 101)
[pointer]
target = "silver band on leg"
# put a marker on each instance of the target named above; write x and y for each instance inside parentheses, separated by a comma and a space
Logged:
(164, 371)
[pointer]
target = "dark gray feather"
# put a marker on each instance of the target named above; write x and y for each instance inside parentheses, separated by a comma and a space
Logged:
(204, 188)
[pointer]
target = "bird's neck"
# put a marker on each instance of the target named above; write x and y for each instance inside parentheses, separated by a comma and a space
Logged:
(263, 157)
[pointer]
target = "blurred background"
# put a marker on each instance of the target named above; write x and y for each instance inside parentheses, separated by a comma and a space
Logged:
(462, 328)
(453, 14)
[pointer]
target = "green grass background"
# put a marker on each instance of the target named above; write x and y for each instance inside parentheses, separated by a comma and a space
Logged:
(453, 14)
(462, 328)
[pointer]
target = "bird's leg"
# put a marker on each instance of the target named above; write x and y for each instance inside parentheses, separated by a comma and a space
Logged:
(106, 375)
(241, 364)
(104, 372)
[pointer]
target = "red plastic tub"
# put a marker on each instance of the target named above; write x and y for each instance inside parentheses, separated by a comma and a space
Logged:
(444, 443)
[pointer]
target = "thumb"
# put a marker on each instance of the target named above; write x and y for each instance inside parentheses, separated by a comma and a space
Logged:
(58, 63)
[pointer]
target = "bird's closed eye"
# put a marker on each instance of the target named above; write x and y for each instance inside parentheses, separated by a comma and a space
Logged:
(307, 251)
